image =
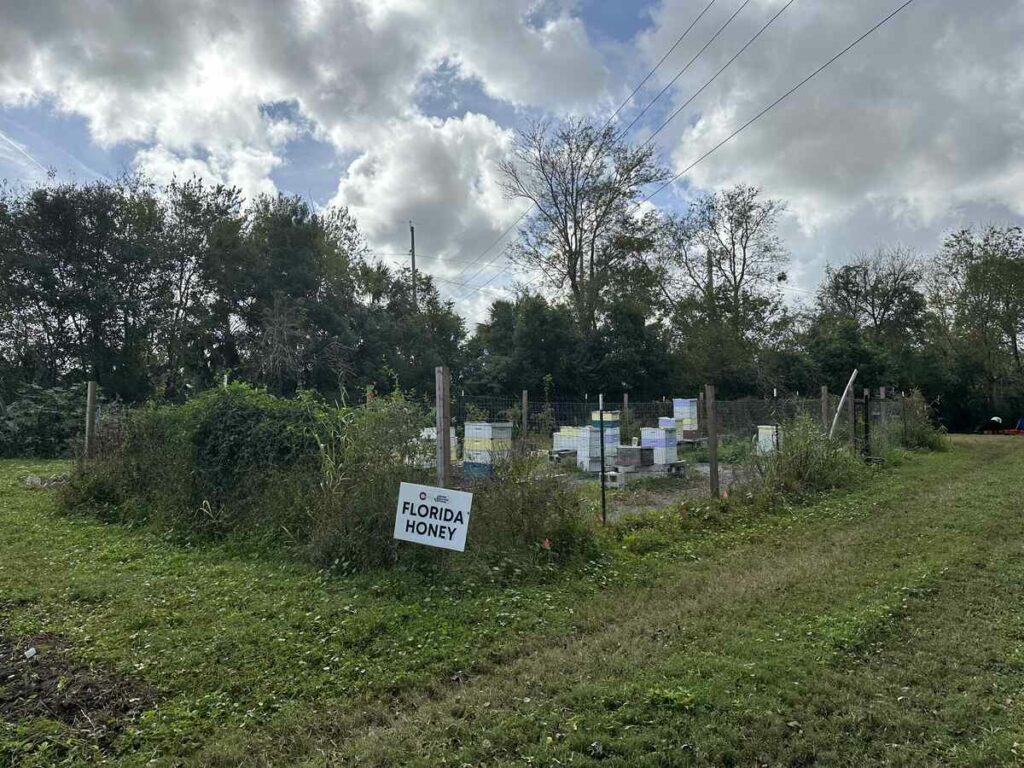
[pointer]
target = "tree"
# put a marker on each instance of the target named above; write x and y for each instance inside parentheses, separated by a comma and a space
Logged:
(584, 184)
(201, 246)
(881, 293)
(720, 266)
(977, 299)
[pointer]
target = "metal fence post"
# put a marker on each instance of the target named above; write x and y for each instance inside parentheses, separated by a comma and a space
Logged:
(709, 405)
(443, 426)
(625, 413)
(826, 415)
(90, 419)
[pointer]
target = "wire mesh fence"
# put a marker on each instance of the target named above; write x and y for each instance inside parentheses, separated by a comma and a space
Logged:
(486, 429)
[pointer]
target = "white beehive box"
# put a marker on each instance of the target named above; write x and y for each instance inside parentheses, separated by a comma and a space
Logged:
(486, 442)
(663, 441)
(767, 438)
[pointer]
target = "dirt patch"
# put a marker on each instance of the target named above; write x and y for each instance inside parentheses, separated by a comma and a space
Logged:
(38, 678)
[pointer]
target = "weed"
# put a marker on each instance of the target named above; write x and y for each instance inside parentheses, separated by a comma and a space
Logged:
(807, 461)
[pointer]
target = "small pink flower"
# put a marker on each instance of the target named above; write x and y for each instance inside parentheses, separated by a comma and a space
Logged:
(546, 543)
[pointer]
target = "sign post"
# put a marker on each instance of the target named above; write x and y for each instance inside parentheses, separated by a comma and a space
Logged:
(443, 425)
(436, 517)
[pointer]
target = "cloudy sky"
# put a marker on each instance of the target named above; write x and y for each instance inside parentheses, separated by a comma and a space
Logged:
(401, 109)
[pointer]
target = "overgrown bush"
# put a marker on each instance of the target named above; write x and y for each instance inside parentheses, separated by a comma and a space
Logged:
(230, 459)
(917, 427)
(320, 480)
(365, 453)
(524, 507)
(807, 460)
(42, 422)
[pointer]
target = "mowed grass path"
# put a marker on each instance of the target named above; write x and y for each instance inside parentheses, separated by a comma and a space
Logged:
(883, 626)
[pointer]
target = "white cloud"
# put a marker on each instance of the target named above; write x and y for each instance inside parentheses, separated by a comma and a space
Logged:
(243, 167)
(442, 174)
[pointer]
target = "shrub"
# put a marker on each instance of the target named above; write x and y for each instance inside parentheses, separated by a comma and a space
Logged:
(917, 426)
(42, 422)
(365, 453)
(807, 460)
(522, 507)
(230, 459)
(319, 480)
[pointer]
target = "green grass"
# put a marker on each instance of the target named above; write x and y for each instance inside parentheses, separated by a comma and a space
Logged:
(877, 626)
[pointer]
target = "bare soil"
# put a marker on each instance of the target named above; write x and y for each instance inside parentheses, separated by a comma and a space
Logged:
(94, 702)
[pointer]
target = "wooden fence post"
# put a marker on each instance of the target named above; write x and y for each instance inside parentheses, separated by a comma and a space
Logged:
(443, 425)
(709, 405)
(526, 414)
(90, 419)
(625, 413)
(826, 410)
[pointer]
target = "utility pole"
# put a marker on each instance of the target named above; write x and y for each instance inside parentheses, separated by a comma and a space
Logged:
(412, 254)
(712, 318)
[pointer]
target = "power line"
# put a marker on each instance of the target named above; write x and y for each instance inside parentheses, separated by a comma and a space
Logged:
(660, 62)
(779, 100)
(714, 77)
(682, 71)
(497, 240)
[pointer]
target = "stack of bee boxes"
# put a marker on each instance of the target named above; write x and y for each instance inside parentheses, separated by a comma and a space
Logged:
(485, 445)
(611, 433)
(663, 441)
(588, 449)
(565, 439)
(684, 411)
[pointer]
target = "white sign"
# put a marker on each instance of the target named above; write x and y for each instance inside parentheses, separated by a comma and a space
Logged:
(436, 517)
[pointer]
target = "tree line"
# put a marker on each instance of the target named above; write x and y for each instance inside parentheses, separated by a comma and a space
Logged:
(160, 292)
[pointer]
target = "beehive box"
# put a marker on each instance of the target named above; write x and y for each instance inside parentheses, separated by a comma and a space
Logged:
(565, 439)
(634, 456)
(767, 438)
(663, 441)
(611, 419)
(485, 442)
(684, 411)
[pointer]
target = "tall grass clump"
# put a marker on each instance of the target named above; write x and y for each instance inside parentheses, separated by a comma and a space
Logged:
(365, 453)
(807, 460)
(524, 507)
(917, 427)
